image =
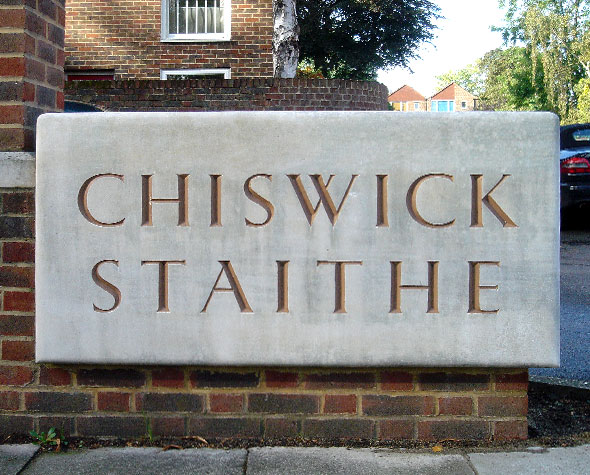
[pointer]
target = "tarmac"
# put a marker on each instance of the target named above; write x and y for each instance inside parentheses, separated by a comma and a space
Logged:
(29, 459)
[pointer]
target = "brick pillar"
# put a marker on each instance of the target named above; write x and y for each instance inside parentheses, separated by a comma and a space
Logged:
(31, 68)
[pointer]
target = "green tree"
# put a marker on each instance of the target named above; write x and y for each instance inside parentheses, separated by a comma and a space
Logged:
(355, 38)
(555, 32)
(509, 82)
(503, 80)
(583, 92)
(469, 78)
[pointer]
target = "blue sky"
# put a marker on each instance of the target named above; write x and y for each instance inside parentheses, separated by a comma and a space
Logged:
(463, 36)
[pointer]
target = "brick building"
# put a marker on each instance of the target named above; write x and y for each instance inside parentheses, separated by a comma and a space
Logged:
(452, 98)
(407, 99)
(157, 39)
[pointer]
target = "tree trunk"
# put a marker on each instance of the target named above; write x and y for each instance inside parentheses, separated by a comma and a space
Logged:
(285, 40)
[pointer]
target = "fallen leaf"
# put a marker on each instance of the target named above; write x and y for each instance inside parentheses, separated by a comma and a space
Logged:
(437, 448)
(172, 447)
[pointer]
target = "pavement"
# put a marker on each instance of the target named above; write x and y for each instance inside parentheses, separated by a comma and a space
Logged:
(28, 459)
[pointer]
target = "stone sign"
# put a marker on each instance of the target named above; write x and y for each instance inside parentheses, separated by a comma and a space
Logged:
(325, 239)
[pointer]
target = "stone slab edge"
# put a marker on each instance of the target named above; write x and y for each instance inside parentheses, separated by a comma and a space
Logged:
(13, 458)
(17, 170)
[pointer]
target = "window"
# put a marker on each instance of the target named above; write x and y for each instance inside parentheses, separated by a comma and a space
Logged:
(221, 73)
(443, 106)
(416, 106)
(463, 104)
(196, 20)
(582, 135)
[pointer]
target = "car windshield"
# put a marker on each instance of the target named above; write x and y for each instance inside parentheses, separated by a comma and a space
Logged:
(575, 136)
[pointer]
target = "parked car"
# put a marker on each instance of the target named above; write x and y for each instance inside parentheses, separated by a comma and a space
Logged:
(574, 161)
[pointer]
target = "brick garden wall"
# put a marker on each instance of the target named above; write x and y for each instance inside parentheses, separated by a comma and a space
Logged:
(31, 68)
(233, 94)
(125, 36)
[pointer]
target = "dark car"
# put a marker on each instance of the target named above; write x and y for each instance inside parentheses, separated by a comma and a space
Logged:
(574, 161)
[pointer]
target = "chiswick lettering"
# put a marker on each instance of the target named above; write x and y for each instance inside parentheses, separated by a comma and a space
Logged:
(333, 207)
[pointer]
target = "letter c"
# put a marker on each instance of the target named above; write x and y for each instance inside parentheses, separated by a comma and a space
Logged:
(83, 199)
(411, 200)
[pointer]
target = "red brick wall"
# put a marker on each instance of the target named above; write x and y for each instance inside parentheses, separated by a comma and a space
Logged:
(125, 36)
(273, 403)
(31, 68)
(233, 94)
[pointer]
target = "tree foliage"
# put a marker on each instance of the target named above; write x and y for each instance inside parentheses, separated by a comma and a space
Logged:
(503, 80)
(509, 82)
(469, 78)
(557, 34)
(355, 38)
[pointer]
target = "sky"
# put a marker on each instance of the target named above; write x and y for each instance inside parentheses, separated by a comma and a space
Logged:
(462, 37)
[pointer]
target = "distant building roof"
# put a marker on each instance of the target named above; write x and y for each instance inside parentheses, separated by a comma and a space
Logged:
(405, 94)
(449, 93)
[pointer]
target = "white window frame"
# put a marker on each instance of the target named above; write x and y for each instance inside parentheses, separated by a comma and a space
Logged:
(195, 37)
(164, 73)
(463, 105)
(416, 106)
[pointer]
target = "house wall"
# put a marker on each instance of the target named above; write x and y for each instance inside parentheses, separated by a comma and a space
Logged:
(462, 95)
(125, 36)
(31, 68)
(409, 106)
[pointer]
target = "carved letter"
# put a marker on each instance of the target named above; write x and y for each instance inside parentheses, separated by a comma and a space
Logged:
(396, 287)
(163, 282)
(382, 212)
(215, 200)
(411, 201)
(235, 287)
(475, 287)
(147, 200)
(283, 286)
(83, 199)
(106, 286)
(492, 205)
(325, 198)
(340, 283)
(259, 200)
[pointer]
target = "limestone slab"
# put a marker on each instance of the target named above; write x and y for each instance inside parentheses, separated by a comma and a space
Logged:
(140, 461)
(326, 239)
(296, 460)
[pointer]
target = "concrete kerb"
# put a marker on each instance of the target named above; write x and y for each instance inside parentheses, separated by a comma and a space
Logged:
(286, 460)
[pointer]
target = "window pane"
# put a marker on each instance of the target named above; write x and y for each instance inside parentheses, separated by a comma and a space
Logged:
(182, 13)
(442, 106)
(172, 12)
(219, 24)
(191, 17)
(220, 12)
(196, 16)
(201, 11)
(451, 106)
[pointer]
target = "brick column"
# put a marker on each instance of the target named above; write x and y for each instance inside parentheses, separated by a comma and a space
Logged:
(31, 68)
